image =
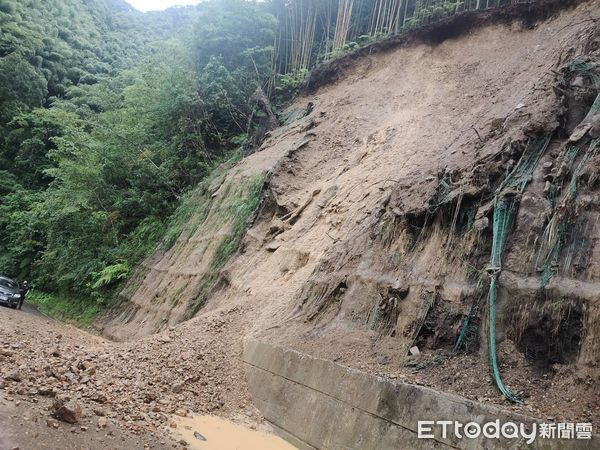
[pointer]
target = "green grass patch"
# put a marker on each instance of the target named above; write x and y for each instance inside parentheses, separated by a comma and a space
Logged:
(80, 312)
(194, 206)
(240, 206)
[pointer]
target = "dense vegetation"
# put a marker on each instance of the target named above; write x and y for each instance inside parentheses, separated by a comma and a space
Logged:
(108, 116)
(315, 30)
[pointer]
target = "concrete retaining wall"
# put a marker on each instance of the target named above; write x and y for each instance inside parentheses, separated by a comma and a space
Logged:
(316, 403)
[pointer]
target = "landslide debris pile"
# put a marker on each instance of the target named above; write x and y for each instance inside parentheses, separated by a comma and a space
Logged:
(429, 179)
(75, 381)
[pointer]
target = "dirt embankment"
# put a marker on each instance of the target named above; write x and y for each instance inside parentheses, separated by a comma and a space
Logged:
(378, 229)
(375, 229)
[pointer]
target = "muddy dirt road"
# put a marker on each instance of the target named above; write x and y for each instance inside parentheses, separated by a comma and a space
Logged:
(29, 341)
(116, 394)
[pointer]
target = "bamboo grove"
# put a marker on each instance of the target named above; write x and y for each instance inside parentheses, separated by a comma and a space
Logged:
(312, 31)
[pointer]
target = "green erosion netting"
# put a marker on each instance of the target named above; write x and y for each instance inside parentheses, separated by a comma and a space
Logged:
(504, 211)
(559, 227)
(428, 302)
(550, 267)
(503, 214)
(576, 242)
(585, 68)
(555, 232)
(589, 70)
(466, 328)
(521, 175)
(589, 155)
(506, 204)
(556, 235)
(505, 208)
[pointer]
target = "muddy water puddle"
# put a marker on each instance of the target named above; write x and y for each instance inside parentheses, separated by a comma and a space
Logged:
(214, 433)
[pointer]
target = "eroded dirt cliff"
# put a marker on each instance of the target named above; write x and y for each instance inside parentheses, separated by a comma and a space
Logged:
(376, 226)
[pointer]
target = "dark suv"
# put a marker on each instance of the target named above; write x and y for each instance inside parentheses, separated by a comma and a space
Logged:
(10, 294)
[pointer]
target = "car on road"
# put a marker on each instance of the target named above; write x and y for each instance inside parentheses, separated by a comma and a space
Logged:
(10, 294)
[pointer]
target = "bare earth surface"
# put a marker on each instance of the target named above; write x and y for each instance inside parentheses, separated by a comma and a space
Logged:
(130, 397)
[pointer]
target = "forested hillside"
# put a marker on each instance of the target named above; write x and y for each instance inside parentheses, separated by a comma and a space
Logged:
(109, 117)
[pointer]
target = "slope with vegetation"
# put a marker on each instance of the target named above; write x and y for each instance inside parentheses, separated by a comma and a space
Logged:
(108, 118)
(430, 197)
(427, 208)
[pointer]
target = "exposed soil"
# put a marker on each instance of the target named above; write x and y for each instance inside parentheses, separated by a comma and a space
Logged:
(380, 143)
(130, 394)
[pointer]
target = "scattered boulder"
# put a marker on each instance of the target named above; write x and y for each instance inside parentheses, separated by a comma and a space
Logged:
(99, 412)
(482, 224)
(273, 246)
(71, 377)
(66, 410)
(14, 375)
(595, 128)
(547, 167)
(51, 423)
(198, 436)
(578, 81)
(181, 412)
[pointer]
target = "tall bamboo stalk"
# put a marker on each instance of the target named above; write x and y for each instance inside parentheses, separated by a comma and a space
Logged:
(342, 23)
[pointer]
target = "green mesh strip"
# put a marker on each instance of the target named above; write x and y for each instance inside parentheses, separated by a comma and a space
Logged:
(465, 326)
(551, 259)
(502, 218)
(591, 153)
(551, 263)
(585, 68)
(570, 156)
(520, 176)
(504, 211)
(596, 106)
(493, 360)
(501, 224)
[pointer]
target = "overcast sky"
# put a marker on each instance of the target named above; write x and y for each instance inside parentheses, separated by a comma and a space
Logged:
(155, 5)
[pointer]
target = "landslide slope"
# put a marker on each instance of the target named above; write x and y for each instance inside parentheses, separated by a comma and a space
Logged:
(375, 227)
